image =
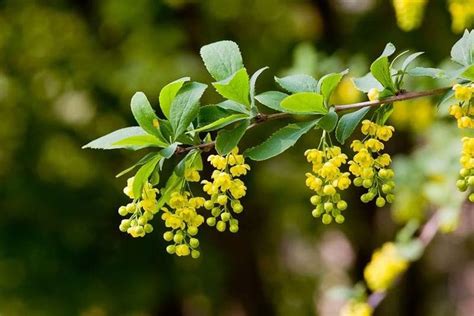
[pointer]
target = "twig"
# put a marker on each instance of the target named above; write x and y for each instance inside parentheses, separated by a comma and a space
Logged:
(261, 118)
(428, 231)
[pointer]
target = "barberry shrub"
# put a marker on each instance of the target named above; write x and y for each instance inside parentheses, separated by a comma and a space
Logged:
(185, 129)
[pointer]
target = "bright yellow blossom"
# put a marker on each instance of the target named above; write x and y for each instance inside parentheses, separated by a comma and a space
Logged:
(356, 308)
(385, 266)
(225, 190)
(326, 178)
(369, 165)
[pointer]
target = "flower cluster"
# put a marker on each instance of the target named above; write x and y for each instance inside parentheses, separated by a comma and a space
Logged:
(466, 174)
(464, 110)
(385, 266)
(326, 179)
(464, 114)
(225, 190)
(183, 220)
(369, 166)
(409, 13)
(142, 209)
(356, 308)
(462, 14)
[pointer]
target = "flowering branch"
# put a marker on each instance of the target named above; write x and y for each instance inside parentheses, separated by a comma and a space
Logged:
(428, 231)
(261, 117)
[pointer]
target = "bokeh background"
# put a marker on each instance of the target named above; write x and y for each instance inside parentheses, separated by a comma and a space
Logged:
(68, 69)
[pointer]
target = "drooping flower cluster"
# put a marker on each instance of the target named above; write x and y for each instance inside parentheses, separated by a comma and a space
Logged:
(462, 14)
(385, 266)
(409, 13)
(326, 179)
(183, 221)
(370, 167)
(464, 114)
(466, 174)
(142, 209)
(356, 308)
(225, 190)
(464, 110)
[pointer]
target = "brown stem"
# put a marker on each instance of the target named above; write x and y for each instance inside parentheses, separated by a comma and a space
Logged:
(261, 118)
(428, 231)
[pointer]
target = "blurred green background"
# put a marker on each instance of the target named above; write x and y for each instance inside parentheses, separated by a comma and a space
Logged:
(67, 72)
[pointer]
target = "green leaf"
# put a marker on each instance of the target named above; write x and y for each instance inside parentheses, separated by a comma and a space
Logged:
(388, 50)
(280, 141)
(329, 121)
(410, 58)
(142, 161)
(227, 139)
(155, 176)
(468, 73)
(233, 106)
(380, 68)
(328, 84)
(110, 140)
(297, 83)
(381, 71)
(463, 50)
(304, 102)
(194, 160)
(222, 122)
(222, 59)
(141, 141)
(235, 88)
(145, 115)
(348, 123)
(426, 72)
(272, 100)
(168, 93)
(174, 182)
(211, 113)
(185, 107)
(169, 151)
(253, 81)
(143, 174)
(366, 83)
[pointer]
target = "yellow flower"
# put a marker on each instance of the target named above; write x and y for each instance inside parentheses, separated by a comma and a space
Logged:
(374, 145)
(173, 221)
(136, 231)
(217, 162)
(191, 175)
(128, 190)
(312, 182)
(314, 156)
(462, 93)
(225, 188)
(383, 160)
(368, 164)
(329, 171)
(182, 250)
(237, 189)
(364, 158)
(373, 94)
(343, 182)
(356, 308)
(222, 180)
(357, 145)
(409, 13)
(239, 170)
(150, 205)
(385, 132)
(325, 179)
(386, 265)
(368, 128)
